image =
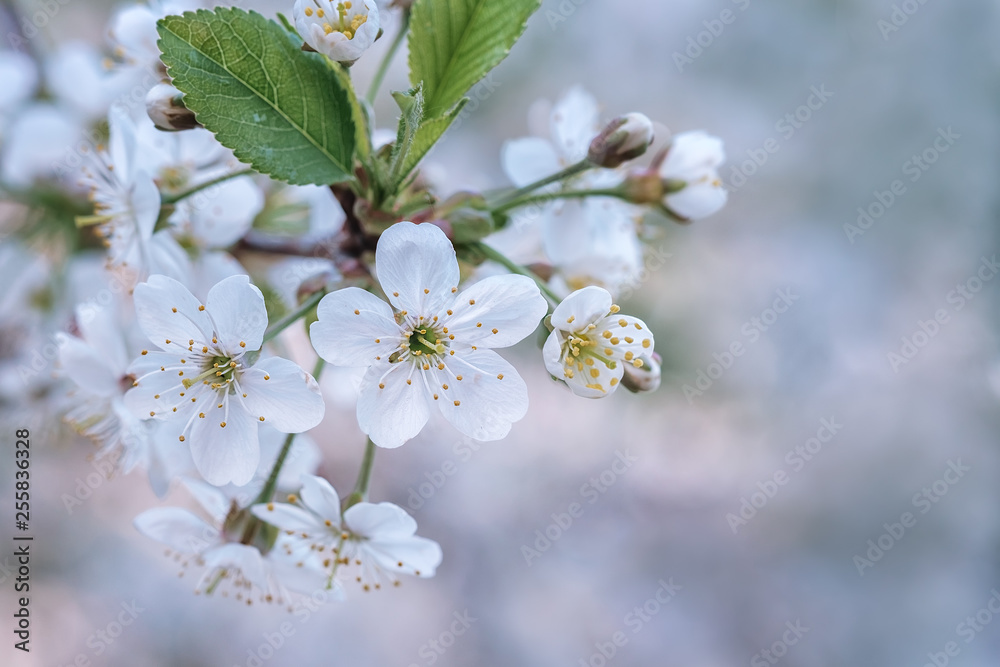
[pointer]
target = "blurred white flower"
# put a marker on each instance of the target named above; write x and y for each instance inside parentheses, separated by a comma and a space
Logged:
(339, 29)
(207, 375)
(693, 159)
(127, 205)
(591, 343)
(380, 539)
(18, 80)
(430, 351)
(133, 29)
(37, 143)
(590, 241)
(215, 547)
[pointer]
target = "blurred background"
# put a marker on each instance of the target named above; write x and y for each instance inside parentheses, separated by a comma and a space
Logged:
(755, 522)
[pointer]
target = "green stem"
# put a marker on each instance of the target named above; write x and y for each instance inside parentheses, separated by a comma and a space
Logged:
(173, 199)
(565, 194)
(568, 172)
(383, 67)
(293, 316)
(513, 267)
(360, 493)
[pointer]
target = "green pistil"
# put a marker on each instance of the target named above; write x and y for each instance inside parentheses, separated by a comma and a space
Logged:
(425, 341)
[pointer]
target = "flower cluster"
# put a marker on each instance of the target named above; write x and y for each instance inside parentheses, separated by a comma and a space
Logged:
(194, 284)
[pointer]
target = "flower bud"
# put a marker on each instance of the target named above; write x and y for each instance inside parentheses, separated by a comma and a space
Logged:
(645, 378)
(688, 170)
(165, 106)
(625, 138)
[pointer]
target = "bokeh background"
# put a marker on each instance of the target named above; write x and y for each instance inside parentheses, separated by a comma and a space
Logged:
(696, 457)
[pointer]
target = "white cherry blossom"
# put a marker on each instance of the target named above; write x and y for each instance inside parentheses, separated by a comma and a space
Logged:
(591, 343)
(339, 29)
(434, 348)
(378, 539)
(208, 377)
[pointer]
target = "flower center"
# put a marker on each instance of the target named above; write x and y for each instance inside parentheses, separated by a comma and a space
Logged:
(348, 27)
(425, 341)
(220, 371)
(174, 178)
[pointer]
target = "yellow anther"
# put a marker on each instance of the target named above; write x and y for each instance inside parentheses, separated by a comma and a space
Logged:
(614, 381)
(222, 424)
(309, 11)
(173, 310)
(458, 403)
(637, 363)
(595, 373)
(629, 356)
(472, 302)
(646, 343)
(262, 418)
(629, 339)
(614, 309)
(623, 322)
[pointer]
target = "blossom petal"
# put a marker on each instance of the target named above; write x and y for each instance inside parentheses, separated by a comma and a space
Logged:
(221, 215)
(287, 397)
(497, 311)
(488, 399)
(581, 308)
(236, 307)
(178, 528)
(320, 496)
(287, 517)
(381, 520)
(86, 367)
(419, 556)
(246, 559)
(167, 311)
(529, 159)
(228, 454)
(390, 409)
(416, 267)
(212, 500)
(351, 320)
(575, 120)
(699, 199)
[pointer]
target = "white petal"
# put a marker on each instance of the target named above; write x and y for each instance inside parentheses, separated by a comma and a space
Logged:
(283, 394)
(155, 301)
(416, 267)
(122, 142)
(395, 412)
(575, 123)
(690, 154)
(351, 320)
(167, 257)
(699, 199)
(321, 497)
(237, 309)
(511, 305)
(87, 367)
(229, 454)
(419, 555)
(220, 216)
(528, 160)
(581, 308)
(246, 559)
(177, 528)
(101, 329)
(489, 398)
(145, 201)
(287, 517)
(211, 499)
(382, 520)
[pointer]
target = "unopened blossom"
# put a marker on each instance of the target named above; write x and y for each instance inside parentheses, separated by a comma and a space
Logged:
(625, 138)
(378, 539)
(339, 29)
(432, 347)
(165, 107)
(592, 342)
(691, 164)
(207, 375)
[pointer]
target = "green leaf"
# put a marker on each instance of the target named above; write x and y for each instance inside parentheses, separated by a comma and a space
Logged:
(278, 108)
(428, 134)
(455, 43)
